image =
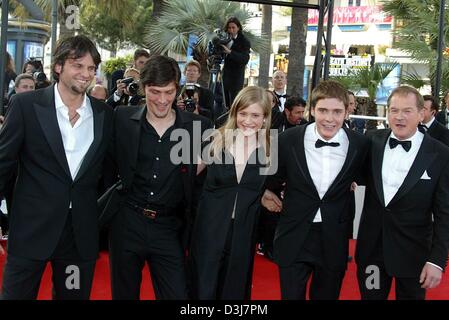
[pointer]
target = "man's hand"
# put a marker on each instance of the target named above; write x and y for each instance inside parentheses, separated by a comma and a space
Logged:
(226, 49)
(271, 201)
(121, 87)
(180, 103)
(430, 276)
(353, 186)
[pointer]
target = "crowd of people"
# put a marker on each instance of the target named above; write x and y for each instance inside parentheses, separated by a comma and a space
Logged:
(194, 194)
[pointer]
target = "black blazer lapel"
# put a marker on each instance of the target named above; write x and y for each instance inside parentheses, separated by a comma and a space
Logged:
(377, 157)
(423, 160)
(46, 115)
(299, 155)
(133, 140)
(98, 115)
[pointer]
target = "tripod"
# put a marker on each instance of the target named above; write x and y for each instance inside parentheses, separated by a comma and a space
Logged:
(215, 70)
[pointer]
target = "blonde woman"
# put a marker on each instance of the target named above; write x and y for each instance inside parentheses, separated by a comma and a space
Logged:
(223, 238)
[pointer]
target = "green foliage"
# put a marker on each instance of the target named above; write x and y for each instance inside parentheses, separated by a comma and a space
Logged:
(417, 31)
(118, 31)
(367, 78)
(113, 64)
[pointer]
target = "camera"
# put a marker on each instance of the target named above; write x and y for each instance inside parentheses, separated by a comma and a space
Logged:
(189, 102)
(221, 38)
(41, 79)
(132, 85)
(215, 50)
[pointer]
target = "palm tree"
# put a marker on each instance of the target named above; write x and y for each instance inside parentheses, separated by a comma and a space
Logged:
(297, 50)
(179, 19)
(369, 79)
(417, 31)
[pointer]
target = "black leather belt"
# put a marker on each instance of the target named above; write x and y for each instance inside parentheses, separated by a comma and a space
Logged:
(152, 213)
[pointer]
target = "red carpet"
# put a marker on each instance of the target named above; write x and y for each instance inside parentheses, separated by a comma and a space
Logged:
(265, 282)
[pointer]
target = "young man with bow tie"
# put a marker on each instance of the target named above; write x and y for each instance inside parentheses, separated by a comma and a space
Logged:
(318, 163)
(404, 229)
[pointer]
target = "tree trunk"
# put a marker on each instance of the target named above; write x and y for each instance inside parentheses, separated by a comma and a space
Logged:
(297, 51)
(264, 57)
(372, 111)
(158, 5)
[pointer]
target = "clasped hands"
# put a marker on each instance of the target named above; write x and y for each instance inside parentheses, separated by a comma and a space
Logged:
(271, 201)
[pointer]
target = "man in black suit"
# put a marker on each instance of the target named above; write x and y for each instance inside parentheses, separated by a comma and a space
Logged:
(237, 56)
(58, 136)
(158, 185)
(404, 228)
(279, 88)
(292, 116)
(318, 163)
(433, 127)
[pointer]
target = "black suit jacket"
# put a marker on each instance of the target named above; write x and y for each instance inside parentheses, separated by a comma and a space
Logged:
(439, 132)
(302, 200)
(44, 187)
(402, 234)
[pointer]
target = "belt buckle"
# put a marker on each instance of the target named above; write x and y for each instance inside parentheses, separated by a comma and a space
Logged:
(149, 213)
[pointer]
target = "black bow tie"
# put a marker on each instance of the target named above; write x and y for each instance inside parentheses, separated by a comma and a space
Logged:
(281, 95)
(320, 143)
(405, 144)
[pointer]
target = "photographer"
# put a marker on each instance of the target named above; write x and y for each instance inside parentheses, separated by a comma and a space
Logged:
(189, 100)
(141, 56)
(127, 92)
(237, 56)
(36, 69)
(192, 72)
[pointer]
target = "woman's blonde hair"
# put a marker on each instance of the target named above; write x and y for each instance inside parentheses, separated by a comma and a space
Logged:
(223, 137)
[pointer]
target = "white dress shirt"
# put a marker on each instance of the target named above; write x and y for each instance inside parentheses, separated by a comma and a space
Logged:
(324, 163)
(396, 165)
(76, 139)
(428, 124)
(281, 100)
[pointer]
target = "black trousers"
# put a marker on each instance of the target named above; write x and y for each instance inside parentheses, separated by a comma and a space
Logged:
(155, 241)
(375, 284)
(233, 81)
(72, 276)
(325, 284)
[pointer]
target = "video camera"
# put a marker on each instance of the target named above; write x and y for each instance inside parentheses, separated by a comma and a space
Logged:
(132, 85)
(215, 50)
(189, 102)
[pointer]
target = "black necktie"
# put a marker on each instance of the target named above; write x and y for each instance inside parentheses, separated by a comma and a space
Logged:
(405, 144)
(320, 143)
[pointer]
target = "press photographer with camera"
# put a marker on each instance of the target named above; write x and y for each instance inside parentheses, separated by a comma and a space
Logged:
(35, 68)
(127, 92)
(189, 100)
(193, 96)
(237, 56)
